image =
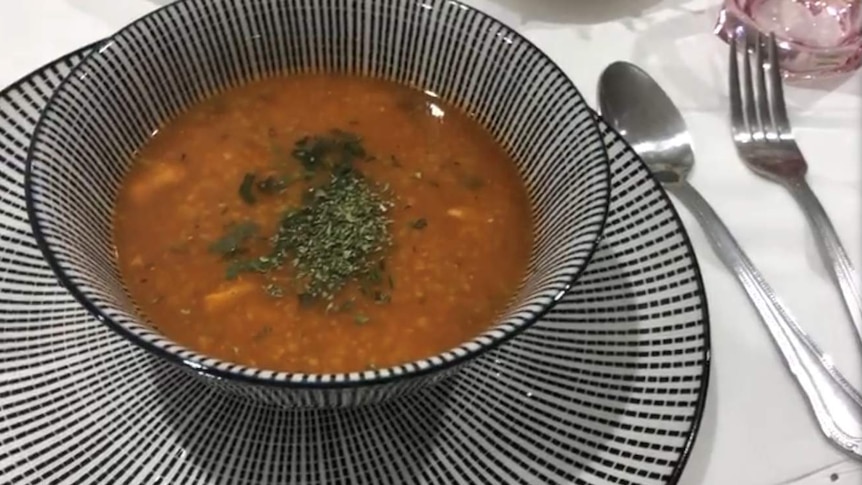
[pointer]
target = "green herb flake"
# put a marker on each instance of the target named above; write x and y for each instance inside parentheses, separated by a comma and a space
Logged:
(337, 235)
(361, 319)
(232, 242)
(335, 151)
(419, 224)
(374, 275)
(246, 189)
(274, 290)
(382, 297)
(273, 184)
(234, 269)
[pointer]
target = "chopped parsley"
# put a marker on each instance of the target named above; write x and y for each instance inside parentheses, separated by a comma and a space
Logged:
(232, 242)
(361, 319)
(335, 151)
(273, 184)
(381, 296)
(337, 234)
(246, 189)
(274, 290)
(337, 237)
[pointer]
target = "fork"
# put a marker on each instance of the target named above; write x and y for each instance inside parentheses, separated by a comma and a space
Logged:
(765, 142)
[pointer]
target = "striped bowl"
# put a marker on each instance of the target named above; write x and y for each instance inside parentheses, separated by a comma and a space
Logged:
(156, 67)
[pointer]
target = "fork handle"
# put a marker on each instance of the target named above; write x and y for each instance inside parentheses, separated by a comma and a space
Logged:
(835, 404)
(831, 251)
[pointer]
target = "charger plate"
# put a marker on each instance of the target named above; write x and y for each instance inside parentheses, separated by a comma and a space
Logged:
(609, 388)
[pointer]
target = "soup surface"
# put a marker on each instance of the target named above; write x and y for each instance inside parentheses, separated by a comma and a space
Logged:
(320, 223)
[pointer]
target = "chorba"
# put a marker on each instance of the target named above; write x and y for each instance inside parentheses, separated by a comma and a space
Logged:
(322, 224)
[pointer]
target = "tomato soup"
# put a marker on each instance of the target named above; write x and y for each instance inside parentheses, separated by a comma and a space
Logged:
(322, 224)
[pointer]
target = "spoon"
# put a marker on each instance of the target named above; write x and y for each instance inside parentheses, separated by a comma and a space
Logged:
(634, 104)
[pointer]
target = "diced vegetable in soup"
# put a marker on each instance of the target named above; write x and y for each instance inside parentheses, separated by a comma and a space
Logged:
(319, 223)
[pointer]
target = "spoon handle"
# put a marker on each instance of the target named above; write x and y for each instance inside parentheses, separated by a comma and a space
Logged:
(836, 405)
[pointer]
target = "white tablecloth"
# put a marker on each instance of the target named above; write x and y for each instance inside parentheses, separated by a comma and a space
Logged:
(757, 428)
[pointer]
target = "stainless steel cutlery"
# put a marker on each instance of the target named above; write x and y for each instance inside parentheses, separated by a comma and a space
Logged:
(633, 103)
(765, 142)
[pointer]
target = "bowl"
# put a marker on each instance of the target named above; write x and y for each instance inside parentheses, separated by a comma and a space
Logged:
(159, 65)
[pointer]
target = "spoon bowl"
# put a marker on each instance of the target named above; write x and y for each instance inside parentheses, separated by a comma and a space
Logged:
(639, 109)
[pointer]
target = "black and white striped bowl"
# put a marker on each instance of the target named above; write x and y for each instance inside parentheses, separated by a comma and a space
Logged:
(161, 64)
(607, 388)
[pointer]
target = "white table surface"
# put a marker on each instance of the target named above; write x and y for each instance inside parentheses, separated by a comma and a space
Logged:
(757, 428)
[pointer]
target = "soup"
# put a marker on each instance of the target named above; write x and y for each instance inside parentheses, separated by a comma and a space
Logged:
(322, 224)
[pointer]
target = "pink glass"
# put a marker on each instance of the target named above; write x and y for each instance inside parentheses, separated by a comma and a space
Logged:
(816, 38)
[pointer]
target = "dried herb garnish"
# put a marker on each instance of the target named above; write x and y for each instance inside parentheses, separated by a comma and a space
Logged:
(335, 151)
(274, 290)
(382, 296)
(344, 306)
(232, 242)
(274, 184)
(269, 185)
(420, 223)
(361, 319)
(337, 235)
(246, 189)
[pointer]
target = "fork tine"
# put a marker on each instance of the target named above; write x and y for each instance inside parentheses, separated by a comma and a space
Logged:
(761, 98)
(737, 119)
(748, 101)
(776, 91)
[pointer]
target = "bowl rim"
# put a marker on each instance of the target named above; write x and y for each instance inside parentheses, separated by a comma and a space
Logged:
(342, 380)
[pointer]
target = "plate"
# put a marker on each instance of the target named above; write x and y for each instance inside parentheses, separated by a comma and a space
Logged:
(608, 388)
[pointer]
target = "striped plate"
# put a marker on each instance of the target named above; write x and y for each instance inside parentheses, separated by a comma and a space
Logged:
(607, 389)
